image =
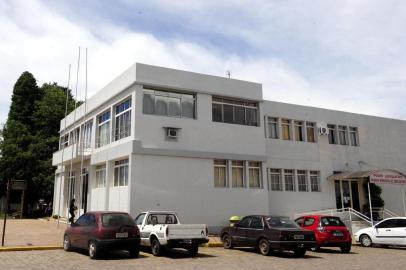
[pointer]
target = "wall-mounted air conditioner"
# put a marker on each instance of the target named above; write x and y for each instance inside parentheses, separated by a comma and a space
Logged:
(323, 131)
(172, 132)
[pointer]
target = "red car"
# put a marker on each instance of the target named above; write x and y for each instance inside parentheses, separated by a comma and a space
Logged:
(330, 231)
(100, 232)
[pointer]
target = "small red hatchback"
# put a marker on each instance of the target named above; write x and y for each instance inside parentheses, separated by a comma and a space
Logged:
(330, 231)
(100, 232)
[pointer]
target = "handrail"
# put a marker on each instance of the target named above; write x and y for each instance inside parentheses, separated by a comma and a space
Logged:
(337, 210)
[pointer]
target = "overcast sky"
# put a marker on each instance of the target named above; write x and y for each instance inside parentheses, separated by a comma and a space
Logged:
(347, 55)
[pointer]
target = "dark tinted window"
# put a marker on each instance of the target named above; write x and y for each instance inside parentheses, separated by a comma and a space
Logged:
(401, 223)
(245, 222)
(390, 223)
(217, 112)
(331, 221)
(81, 220)
(228, 113)
(256, 223)
(117, 220)
(281, 222)
(308, 222)
(91, 220)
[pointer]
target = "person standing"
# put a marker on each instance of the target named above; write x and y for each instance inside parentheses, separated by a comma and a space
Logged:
(72, 209)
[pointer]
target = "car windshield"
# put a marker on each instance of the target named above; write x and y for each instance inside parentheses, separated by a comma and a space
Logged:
(331, 221)
(117, 220)
(159, 218)
(281, 222)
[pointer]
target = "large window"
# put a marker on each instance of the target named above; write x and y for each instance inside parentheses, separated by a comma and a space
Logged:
(72, 180)
(64, 141)
(310, 129)
(254, 170)
(301, 180)
(100, 176)
(315, 180)
(123, 120)
(299, 131)
(238, 173)
(168, 103)
(220, 173)
(342, 135)
(103, 130)
(276, 179)
(74, 136)
(353, 136)
(121, 173)
(87, 135)
(289, 180)
(332, 139)
(273, 128)
(286, 129)
(235, 111)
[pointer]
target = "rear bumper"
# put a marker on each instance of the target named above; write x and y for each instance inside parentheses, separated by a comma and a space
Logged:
(118, 244)
(180, 243)
(334, 243)
(291, 245)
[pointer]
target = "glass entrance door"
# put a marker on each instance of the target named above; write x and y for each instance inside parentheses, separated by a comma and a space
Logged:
(346, 194)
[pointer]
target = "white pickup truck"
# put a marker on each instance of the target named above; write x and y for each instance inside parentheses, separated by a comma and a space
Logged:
(162, 229)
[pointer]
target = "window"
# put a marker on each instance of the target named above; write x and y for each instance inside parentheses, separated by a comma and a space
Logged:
(390, 223)
(140, 218)
(254, 170)
(273, 129)
(103, 130)
(117, 220)
(240, 112)
(331, 221)
(342, 135)
(286, 129)
(289, 180)
(332, 134)
(74, 136)
(123, 120)
(353, 136)
(220, 173)
(72, 180)
(310, 128)
(245, 222)
(276, 179)
(168, 103)
(308, 222)
(87, 135)
(121, 173)
(281, 222)
(315, 180)
(64, 141)
(401, 223)
(100, 176)
(91, 220)
(238, 173)
(302, 180)
(82, 220)
(299, 131)
(256, 223)
(162, 219)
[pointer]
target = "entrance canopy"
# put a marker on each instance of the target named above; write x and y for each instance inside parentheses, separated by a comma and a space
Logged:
(384, 176)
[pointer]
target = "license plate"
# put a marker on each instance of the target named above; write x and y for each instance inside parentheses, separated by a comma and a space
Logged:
(338, 234)
(122, 235)
(188, 241)
(298, 237)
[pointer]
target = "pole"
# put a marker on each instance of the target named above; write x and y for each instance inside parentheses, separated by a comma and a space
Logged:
(5, 213)
(82, 146)
(403, 199)
(370, 204)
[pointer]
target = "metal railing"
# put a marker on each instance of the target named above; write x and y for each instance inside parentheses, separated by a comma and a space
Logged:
(337, 211)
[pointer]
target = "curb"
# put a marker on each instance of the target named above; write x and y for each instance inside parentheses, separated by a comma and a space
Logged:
(29, 248)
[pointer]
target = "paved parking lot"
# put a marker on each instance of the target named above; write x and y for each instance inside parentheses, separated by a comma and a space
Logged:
(210, 258)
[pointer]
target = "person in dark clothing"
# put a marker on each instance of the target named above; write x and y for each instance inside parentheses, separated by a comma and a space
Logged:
(72, 209)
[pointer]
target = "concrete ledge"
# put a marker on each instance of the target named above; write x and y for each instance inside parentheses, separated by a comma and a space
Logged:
(28, 248)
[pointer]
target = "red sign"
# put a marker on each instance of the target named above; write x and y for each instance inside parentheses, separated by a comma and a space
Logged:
(387, 177)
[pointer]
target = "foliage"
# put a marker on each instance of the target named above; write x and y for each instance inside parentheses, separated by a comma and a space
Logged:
(376, 192)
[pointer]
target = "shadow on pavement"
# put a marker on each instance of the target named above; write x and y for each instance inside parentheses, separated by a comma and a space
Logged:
(280, 254)
(113, 255)
(175, 253)
(333, 251)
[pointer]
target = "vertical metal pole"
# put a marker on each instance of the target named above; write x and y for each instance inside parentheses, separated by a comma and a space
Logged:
(403, 199)
(370, 203)
(5, 213)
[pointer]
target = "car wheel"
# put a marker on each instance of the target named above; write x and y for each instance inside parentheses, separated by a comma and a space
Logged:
(93, 250)
(345, 249)
(134, 252)
(300, 252)
(193, 250)
(365, 240)
(264, 247)
(156, 247)
(227, 241)
(66, 243)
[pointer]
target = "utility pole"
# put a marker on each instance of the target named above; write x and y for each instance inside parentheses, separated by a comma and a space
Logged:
(5, 212)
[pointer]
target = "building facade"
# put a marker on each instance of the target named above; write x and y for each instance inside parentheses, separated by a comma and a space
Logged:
(209, 148)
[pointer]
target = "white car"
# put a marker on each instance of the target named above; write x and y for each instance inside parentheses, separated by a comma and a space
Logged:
(388, 232)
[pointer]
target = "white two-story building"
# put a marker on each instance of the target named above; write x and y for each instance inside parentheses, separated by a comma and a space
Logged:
(210, 147)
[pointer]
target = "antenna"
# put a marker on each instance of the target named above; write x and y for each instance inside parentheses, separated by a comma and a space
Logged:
(228, 73)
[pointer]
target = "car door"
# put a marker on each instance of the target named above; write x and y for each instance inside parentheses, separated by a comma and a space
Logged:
(88, 230)
(385, 233)
(147, 228)
(399, 232)
(239, 236)
(254, 231)
(76, 231)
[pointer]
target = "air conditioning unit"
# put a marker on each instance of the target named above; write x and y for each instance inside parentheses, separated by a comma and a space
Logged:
(171, 132)
(323, 131)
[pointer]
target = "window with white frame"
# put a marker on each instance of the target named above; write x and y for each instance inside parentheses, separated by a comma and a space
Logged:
(72, 180)
(233, 111)
(315, 180)
(237, 168)
(299, 131)
(310, 131)
(168, 103)
(220, 173)
(342, 135)
(101, 176)
(302, 180)
(353, 136)
(122, 120)
(254, 172)
(74, 136)
(276, 179)
(121, 173)
(103, 129)
(332, 137)
(87, 134)
(273, 128)
(286, 129)
(64, 141)
(289, 180)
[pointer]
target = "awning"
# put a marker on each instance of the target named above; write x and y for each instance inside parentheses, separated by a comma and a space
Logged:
(383, 176)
